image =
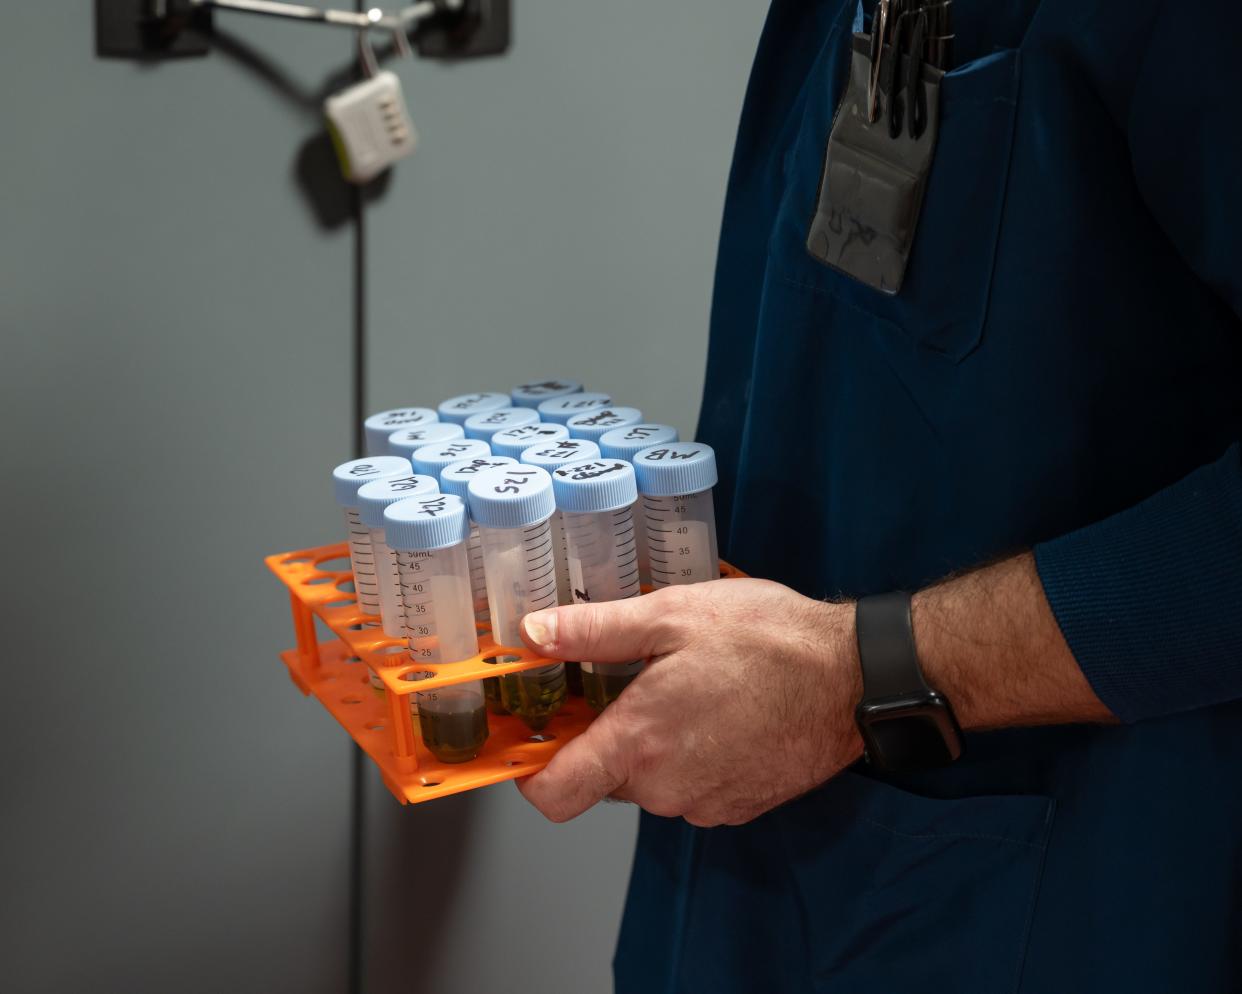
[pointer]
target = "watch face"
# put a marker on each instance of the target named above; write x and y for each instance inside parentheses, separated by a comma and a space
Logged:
(909, 733)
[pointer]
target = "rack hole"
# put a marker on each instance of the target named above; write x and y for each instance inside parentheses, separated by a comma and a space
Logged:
(374, 726)
(333, 564)
(351, 700)
(352, 659)
(295, 560)
(415, 675)
(430, 783)
(371, 624)
(513, 762)
(314, 580)
(346, 586)
(493, 660)
(340, 603)
(391, 650)
(541, 737)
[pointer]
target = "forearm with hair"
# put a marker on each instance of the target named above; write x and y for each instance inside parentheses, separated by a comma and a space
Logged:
(989, 642)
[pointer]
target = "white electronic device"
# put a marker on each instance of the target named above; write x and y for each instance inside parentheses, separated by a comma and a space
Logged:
(370, 126)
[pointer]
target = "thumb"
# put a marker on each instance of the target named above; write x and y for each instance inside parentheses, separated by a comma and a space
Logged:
(614, 632)
(580, 774)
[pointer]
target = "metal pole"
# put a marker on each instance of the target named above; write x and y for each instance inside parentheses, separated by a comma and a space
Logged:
(371, 18)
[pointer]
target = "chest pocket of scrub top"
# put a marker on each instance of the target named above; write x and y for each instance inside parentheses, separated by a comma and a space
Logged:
(943, 302)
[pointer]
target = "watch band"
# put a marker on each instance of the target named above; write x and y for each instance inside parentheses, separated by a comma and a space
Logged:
(885, 633)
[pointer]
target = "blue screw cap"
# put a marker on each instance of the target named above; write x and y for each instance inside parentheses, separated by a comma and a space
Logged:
(379, 426)
(431, 459)
(534, 394)
(595, 424)
(404, 441)
(675, 468)
(487, 423)
(373, 497)
(622, 443)
(349, 477)
(560, 409)
(455, 478)
(517, 496)
(514, 441)
(457, 409)
(422, 524)
(556, 454)
(594, 485)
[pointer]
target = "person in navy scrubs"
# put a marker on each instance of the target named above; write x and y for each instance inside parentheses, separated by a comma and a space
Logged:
(1039, 437)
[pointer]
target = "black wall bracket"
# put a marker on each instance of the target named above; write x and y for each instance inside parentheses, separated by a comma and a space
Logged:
(482, 28)
(127, 29)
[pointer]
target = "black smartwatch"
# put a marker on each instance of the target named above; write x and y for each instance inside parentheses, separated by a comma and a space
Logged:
(905, 724)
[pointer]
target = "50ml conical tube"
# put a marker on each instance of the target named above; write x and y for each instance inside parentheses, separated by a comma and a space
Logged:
(550, 455)
(521, 578)
(456, 479)
(482, 614)
(439, 614)
(603, 566)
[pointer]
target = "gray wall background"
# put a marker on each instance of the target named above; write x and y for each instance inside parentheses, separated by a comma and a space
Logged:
(176, 323)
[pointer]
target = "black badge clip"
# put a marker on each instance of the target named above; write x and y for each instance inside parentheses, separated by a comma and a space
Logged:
(879, 153)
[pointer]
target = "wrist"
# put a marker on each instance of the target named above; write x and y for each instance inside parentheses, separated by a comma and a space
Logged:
(945, 669)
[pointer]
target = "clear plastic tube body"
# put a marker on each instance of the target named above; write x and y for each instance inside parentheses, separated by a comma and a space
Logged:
(681, 538)
(603, 566)
(478, 576)
(564, 594)
(560, 552)
(391, 611)
(439, 612)
(362, 562)
(478, 593)
(640, 542)
(520, 565)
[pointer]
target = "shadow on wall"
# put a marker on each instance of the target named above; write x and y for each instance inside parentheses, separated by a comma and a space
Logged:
(318, 175)
(316, 170)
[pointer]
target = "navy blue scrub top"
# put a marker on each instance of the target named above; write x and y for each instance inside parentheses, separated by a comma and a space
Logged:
(1060, 372)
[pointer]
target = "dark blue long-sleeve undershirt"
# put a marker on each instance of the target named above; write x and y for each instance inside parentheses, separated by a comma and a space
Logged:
(1150, 599)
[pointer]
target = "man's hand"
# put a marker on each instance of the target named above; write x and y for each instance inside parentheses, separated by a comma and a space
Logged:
(749, 696)
(747, 701)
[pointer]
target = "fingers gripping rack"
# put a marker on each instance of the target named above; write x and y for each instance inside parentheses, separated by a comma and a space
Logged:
(335, 671)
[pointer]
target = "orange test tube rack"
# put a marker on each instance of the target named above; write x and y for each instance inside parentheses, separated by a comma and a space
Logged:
(336, 672)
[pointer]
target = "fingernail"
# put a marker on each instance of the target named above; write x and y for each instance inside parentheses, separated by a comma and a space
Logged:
(541, 627)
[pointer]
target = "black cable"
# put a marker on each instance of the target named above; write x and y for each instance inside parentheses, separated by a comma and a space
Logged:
(358, 210)
(357, 799)
(357, 806)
